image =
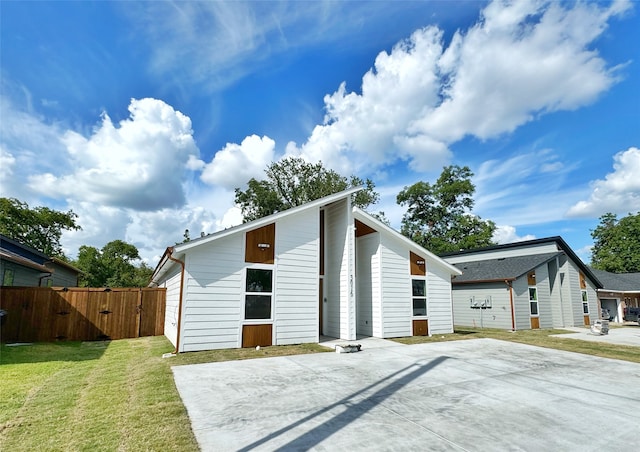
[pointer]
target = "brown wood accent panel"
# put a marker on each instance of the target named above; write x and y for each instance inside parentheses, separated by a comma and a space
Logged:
(587, 321)
(583, 282)
(420, 327)
(535, 323)
(264, 235)
(363, 229)
(531, 278)
(418, 264)
(254, 335)
(322, 242)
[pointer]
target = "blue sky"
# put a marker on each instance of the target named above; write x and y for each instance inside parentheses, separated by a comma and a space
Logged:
(142, 117)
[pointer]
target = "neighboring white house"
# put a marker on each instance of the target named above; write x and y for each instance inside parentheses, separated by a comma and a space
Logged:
(323, 268)
(524, 285)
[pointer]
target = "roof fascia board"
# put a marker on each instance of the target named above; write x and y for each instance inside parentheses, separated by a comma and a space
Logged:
(266, 220)
(378, 225)
(483, 281)
(25, 262)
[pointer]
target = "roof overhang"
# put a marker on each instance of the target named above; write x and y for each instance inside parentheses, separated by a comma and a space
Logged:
(378, 225)
(23, 261)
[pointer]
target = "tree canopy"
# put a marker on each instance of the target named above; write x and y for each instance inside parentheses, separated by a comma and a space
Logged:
(40, 228)
(112, 266)
(292, 182)
(439, 215)
(616, 245)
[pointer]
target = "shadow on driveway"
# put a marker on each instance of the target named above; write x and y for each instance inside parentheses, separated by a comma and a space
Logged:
(353, 411)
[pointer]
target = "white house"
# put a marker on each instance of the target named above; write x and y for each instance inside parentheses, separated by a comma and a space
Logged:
(533, 284)
(323, 268)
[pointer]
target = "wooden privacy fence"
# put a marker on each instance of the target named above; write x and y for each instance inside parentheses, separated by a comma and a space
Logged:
(44, 314)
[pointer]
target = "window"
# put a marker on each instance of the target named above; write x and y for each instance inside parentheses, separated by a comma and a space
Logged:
(259, 291)
(533, 300)
(7, 278)
(585, 302)
(419, 297)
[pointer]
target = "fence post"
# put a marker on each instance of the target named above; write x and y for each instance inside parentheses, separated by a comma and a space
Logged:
(138, 312)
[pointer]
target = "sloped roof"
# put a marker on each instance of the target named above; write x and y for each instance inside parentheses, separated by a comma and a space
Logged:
(378, 225)
(502, 269)
(265, 220)
(559, 241)
(21, 260)
(618, 282)
(248, 226)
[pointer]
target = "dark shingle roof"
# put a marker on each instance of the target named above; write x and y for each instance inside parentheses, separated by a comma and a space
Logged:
(559, 242)
(618, 282)
(501, 269)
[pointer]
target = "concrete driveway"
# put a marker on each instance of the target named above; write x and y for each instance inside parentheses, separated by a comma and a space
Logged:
(474, 395)
(627, 335)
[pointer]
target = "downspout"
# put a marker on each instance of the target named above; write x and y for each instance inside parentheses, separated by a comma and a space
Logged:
(45, 276)
(513, 311)
(42, 277)
(170, 250)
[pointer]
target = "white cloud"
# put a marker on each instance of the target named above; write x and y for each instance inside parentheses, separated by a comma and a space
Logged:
(516, 190)
(217, 43)
(235, 164)
(28, 145)
(232, 217)
(138, 164)
(618, 193)
(522, 59)
(507, 234)
(7, 162)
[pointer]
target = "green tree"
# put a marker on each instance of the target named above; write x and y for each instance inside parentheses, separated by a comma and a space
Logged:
(439, 216)
(616, 246)
(112, 266)
(40, 228)
(292, 182)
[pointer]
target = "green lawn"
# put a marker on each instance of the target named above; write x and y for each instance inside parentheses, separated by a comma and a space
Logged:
(120, 395)
(101, 396)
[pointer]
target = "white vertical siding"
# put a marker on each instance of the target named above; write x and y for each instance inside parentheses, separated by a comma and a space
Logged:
(212, 312)
(439, 306)
(172, 284)
(368, 292)
(396, 289)
(336, 270)
(572, 280)
(555, 295)
(544, 297)
(521, 303)
(296, 287)
(498, 316)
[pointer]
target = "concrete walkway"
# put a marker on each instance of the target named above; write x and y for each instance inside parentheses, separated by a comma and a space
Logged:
(627, 335)
(473, 395)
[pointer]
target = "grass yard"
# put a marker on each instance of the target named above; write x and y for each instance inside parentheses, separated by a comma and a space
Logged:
(120, 395)
(101, 396)
(540, 338)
